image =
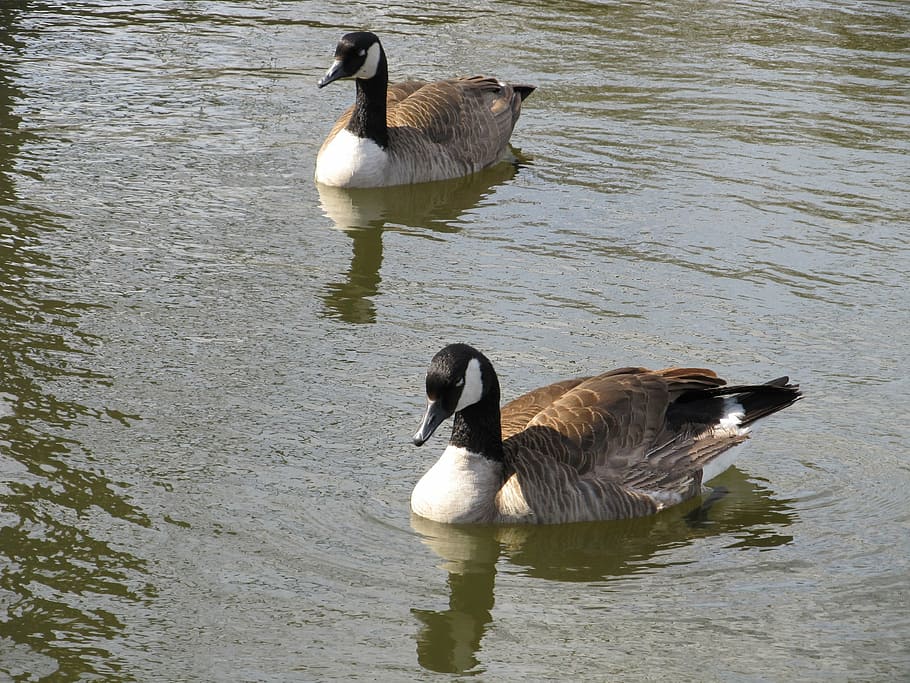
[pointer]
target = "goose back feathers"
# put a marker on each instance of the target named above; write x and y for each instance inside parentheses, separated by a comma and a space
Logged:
(415, 131)
(626, 443)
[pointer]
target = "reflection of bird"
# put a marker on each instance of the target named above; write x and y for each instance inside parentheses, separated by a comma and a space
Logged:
(626, 443)
(365, 213)
(435, 206)
(351, 299)
(450, 638)
(412, 132)
(601, 551)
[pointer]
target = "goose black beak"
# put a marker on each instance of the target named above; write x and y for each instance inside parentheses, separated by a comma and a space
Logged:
(333, 74)
(434, 417)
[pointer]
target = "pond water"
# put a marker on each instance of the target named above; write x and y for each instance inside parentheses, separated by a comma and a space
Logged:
(210, 369)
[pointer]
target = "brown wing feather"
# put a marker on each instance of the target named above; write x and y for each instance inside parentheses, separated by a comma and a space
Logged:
(442, 108)
(516, 414)
(675, 465)
(622, 444)
(477, 111)
(609, 425)
(401, 91)
(601, 444)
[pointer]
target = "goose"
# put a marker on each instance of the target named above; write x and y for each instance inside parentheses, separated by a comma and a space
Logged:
(412, 132)
(626, 443)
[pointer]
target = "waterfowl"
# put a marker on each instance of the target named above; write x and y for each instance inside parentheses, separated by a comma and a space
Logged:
(415, 131)
(626, 443)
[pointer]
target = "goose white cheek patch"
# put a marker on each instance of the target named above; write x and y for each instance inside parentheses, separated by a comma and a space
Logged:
(368, 70)
(473, 386)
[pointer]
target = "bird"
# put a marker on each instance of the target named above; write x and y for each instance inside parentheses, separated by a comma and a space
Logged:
(415, 131)
(626, 443)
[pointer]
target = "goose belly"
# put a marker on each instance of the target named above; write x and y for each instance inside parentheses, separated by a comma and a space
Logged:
(351, 161)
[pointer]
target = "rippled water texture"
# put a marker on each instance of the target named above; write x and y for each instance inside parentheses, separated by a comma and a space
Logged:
(210, 368)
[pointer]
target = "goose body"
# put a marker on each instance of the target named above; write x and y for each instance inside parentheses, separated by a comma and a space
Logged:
(415, 131)
(626, 443)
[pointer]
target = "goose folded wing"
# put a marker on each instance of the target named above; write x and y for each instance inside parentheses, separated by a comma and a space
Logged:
(608, 425)
(475, 111)
(518, 413)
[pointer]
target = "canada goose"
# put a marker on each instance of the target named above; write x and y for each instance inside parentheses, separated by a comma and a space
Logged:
(412, 132)
(627, 443)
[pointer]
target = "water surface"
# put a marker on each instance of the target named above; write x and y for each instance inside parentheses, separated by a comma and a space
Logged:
(210, 368)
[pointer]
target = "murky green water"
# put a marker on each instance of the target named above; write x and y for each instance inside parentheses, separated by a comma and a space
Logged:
(210, 370)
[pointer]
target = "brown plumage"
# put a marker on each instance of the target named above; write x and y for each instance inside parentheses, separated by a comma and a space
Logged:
(625, 443)
(414, 131)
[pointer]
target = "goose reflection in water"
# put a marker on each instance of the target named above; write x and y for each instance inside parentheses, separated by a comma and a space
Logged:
(365, 213)
(449, 639)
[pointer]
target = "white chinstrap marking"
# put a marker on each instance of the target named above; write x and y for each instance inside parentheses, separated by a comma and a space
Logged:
(351, 161)
(460, 487)
(368, 70)
(473, 386)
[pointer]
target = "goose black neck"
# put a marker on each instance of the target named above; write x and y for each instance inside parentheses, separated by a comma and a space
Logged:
(368, 120)
(478, 428)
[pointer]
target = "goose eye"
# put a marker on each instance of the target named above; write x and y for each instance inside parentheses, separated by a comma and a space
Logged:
(459, 383)
(361, 52)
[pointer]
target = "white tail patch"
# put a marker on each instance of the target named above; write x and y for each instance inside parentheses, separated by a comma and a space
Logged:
(729, 422)
(733, 414)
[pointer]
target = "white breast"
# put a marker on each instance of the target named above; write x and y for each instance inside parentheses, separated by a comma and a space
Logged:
(460, 487)
(350, 161)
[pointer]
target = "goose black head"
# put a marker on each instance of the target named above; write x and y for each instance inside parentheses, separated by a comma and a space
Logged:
(459, 376)
(358, 55)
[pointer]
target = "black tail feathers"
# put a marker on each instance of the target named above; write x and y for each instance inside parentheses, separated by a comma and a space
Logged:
(761, 401)
(707, 406)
